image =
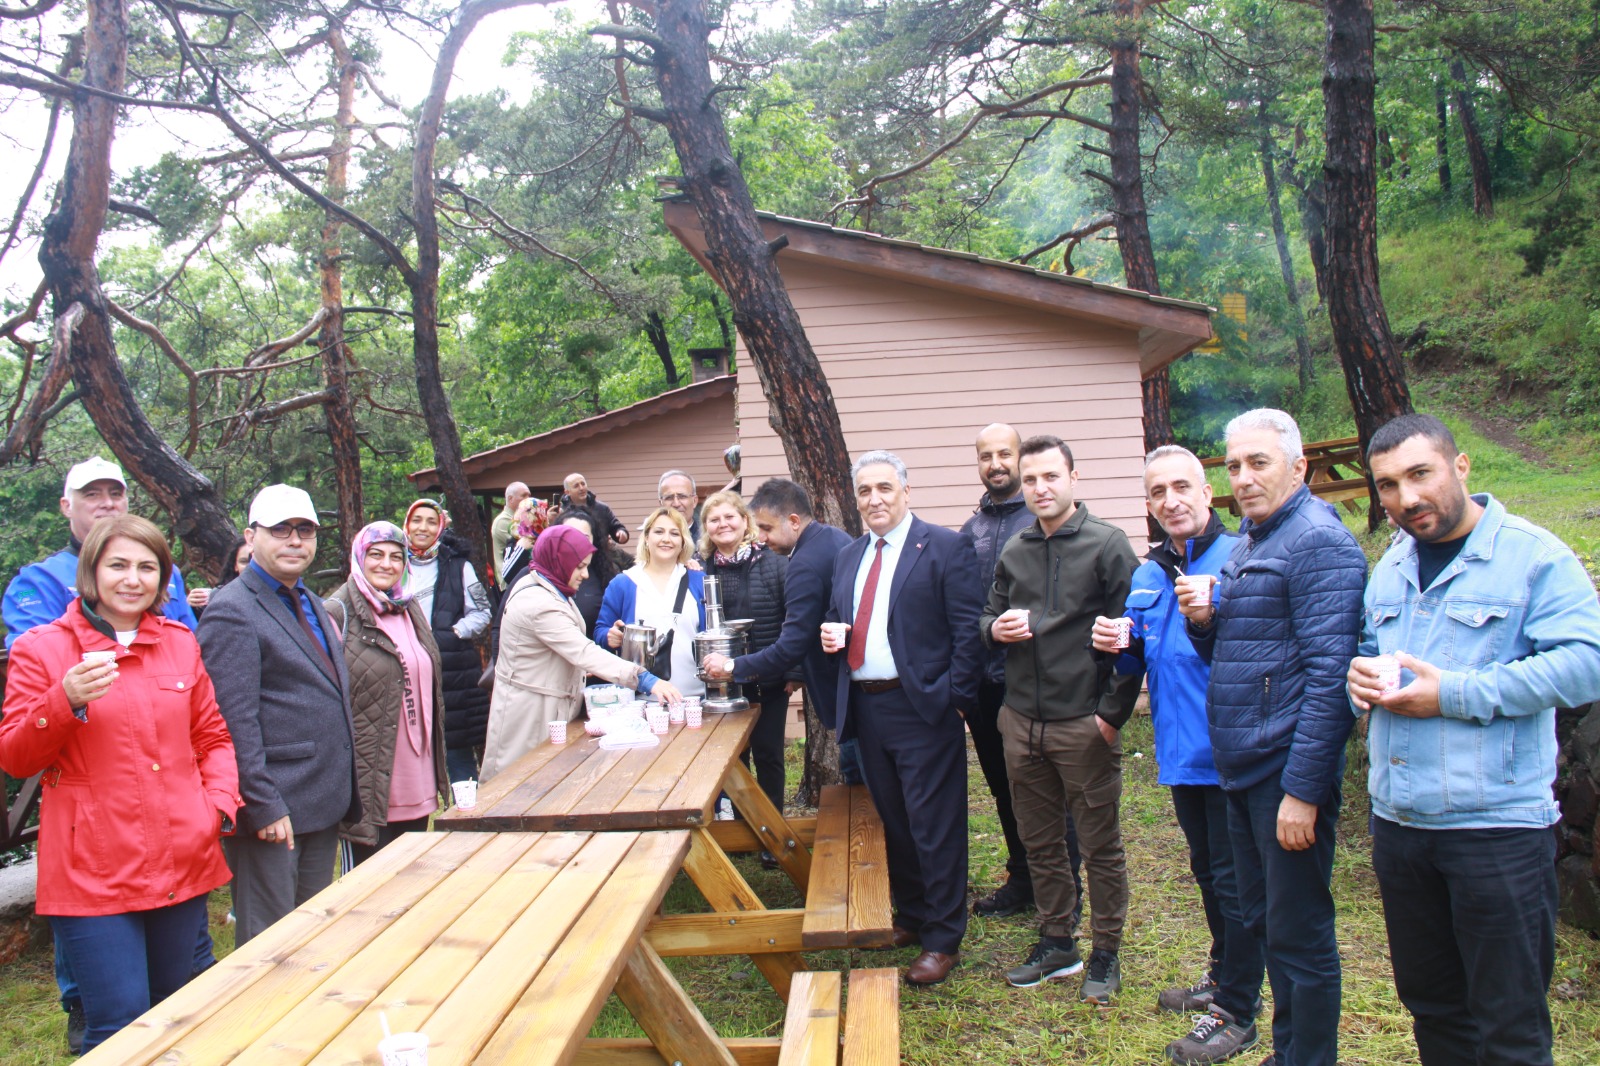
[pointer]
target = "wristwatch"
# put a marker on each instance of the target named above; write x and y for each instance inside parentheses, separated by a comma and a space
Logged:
(728, 665)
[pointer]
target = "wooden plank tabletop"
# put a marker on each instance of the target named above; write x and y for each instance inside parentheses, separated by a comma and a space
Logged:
(582, 786)
(501, 948)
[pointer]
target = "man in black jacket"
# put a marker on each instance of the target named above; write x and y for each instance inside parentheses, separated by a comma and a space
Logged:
(1003, 513)
(603, 523)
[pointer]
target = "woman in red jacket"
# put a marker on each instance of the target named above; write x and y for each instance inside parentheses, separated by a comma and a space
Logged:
(112, 702)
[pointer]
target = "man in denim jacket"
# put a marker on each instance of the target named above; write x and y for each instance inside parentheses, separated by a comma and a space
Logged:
(1494, 624)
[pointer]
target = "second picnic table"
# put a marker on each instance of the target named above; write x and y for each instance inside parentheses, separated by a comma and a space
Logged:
(837, 859)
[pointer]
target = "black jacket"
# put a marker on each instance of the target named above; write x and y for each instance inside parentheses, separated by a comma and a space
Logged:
(466, 706)
(754, 589)
(989, 528)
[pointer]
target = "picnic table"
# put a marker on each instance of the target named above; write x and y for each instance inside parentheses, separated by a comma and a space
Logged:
(837, 860)
(501, 948)
(1327, 481)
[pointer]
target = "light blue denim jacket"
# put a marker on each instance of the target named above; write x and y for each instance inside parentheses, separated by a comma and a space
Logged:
(1514, 625)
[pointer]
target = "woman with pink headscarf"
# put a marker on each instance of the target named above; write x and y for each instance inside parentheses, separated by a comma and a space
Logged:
(545, 652)
(396, 693)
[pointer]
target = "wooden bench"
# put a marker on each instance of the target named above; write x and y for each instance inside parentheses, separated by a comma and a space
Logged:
(847, 899)
(871, 1029)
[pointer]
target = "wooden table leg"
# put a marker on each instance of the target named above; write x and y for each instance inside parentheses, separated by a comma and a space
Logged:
(768, 824)
(725, 889)
(664, 1011)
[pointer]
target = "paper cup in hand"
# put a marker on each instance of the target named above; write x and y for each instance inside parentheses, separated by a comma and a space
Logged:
(99, 658)
(558, 732)
(1124, 627)
(1388, 670)
(836, 633)
(404, 1049)
(466, 793)
(1201, 584)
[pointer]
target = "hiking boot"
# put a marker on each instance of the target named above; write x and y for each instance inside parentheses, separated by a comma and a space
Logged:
(1045, 962)
(1196, 999)
(1103, 978)
(76, 1026)
(1215, 1037)
(1013, 897)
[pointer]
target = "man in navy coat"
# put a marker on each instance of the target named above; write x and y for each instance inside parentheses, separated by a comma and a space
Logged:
(908, 670)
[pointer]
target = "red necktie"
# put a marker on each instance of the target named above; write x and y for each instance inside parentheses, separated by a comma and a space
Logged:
(858, 631)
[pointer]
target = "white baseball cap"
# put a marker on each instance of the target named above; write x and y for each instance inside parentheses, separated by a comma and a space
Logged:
(91, 470)
(282, 503)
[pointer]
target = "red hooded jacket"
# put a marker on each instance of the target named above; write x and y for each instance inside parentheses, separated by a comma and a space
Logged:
(129, 819)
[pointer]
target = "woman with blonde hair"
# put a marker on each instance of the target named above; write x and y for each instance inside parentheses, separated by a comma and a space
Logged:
(660, 591)
(752, 580)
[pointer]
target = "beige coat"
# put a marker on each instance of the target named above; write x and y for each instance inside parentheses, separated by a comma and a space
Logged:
(538, 679)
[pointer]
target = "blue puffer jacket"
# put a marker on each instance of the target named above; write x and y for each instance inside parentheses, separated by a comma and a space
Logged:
(1287, 624)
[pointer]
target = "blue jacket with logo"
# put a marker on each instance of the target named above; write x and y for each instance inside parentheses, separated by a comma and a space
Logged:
(42, 590)
(1178, 676)
(1287, 623)
(1514, 625)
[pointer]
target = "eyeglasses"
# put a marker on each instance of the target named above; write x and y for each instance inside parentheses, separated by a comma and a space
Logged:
(677, 497)
(284, 530)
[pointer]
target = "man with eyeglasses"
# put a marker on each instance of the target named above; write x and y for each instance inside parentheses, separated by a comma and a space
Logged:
(282, 687)
(676, 490)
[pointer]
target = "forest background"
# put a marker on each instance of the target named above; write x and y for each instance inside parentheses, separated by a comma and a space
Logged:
(274, 146)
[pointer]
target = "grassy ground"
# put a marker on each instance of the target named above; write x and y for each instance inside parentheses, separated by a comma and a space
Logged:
(975, 1017)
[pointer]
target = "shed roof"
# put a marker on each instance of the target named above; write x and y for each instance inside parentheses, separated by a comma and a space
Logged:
(1167, 327)
(563, 436)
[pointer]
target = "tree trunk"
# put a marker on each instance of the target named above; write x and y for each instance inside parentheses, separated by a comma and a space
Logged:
(1477, 155)
(822, 758)
(799, 402)
(1373, 372)
(1297, 315)
(656, 330)
(343, 445)
(67, 254)
(1441, 137)
(1128, 206)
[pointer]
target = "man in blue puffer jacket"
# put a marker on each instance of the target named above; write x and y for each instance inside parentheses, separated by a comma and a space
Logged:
(1279, 634)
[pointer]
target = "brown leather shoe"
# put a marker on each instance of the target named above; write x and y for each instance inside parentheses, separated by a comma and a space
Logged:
(931, 967)
(902, 937)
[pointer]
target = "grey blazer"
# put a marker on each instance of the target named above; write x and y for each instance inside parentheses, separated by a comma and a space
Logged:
(290, 717)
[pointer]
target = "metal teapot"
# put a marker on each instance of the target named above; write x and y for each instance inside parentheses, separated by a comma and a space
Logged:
(639, 644)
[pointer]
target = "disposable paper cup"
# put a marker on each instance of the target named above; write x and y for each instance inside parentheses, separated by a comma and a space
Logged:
(558, 732)
(658, 721)
(675, 711)
(1202, 584)
(1388, 672)
(693, 715)
(1124, 632)
(404, 1049)
(99, 657)
(838, 632)
(466, 793)
(593, 726)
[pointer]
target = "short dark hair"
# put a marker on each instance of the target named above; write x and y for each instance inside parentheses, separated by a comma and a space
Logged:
(781, 496)
(1043, 443)
(1397, 431)
(141, 531)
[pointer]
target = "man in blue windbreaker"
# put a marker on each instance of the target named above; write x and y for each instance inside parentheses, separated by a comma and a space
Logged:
(1197, 544)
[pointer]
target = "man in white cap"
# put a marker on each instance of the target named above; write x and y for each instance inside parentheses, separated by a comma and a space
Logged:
(285, 695)
(95, 489)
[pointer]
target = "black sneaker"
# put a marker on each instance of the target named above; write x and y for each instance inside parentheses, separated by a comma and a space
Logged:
(76, 1026)
(1013, 897)
(769, 861)
(1216, 1037)
(1196, 999)
(1103, 979)
(1045, 962)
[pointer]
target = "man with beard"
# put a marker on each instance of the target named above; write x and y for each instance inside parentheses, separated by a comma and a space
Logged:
(1484, 624)
(1002, 513)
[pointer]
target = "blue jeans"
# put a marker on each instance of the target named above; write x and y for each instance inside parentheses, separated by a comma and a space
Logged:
(1286, 903)
(127, 963)
(1472, 928)
(204, 959)
(461, 764)
(850, 762)
(1236, 963)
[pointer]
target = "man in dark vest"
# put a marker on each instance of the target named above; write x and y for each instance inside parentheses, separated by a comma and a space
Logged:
(441, 577)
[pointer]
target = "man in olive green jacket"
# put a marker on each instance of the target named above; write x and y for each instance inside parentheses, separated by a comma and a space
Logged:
(1064, 710)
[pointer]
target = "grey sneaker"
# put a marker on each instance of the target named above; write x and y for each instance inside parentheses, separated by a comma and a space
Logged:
(1045, 963)
(1196, 999)
(1216, 1037)
(1104, 978)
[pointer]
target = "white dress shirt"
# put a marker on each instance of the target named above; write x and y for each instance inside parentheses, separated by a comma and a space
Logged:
(879, 664)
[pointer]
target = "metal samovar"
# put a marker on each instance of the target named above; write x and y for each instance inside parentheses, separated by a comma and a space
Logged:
(727, 638)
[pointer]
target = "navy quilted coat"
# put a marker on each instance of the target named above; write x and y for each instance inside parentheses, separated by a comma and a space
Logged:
(1287, 624)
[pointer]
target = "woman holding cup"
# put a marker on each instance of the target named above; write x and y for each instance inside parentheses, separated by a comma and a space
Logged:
(396, 694)
(545, 653)
(113, 703)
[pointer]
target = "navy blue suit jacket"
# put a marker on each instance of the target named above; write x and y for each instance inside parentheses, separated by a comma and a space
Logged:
(807, 588)
(934, 603)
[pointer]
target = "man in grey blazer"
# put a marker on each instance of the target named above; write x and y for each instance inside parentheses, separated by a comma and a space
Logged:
(278, 666)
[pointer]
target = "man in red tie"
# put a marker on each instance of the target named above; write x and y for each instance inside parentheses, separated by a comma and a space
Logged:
(909, 663)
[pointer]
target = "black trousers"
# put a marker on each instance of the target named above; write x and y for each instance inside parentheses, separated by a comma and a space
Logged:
(766, 741)
(917, 775)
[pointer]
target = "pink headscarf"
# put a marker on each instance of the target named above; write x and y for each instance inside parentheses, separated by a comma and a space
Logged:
(557, 553)
(395, 600)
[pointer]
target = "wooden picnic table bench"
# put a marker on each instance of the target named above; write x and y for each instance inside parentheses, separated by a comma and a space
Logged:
(501, 948)
(839, 863)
